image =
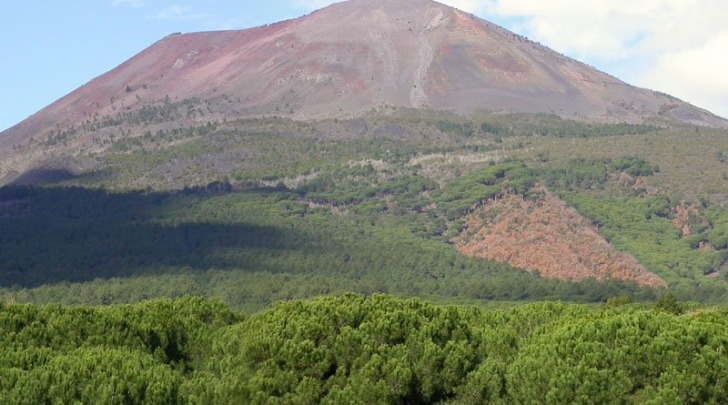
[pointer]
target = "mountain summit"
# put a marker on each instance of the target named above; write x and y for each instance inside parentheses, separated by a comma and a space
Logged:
(348, 59)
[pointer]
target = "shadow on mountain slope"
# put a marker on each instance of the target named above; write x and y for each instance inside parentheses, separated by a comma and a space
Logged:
(51, 235)
(40, 176)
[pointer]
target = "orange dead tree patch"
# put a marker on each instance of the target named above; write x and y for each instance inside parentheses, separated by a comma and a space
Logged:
(548, 237)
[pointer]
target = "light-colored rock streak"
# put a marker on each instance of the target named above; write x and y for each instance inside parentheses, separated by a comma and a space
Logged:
(418, 97)
(381, 44)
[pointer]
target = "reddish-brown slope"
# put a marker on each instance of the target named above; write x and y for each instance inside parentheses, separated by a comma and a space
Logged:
(548, 237)
(348, 59)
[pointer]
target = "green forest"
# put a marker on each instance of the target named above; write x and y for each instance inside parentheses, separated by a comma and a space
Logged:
(358, 349)
(372, 226)
(248, 249)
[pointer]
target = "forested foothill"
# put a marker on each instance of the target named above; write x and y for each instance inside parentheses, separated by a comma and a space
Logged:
(260, 210)
(358, 349)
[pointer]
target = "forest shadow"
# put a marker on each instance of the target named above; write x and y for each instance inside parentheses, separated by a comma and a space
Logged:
(44, 175)
(51, 235)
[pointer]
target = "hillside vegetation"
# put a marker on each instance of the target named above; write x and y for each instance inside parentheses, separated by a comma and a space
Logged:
(256, 211)
(358, 350)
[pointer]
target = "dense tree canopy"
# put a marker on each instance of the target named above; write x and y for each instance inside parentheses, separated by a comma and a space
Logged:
(357, 349)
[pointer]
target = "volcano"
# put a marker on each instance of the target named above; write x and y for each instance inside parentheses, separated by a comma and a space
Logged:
(344, 61)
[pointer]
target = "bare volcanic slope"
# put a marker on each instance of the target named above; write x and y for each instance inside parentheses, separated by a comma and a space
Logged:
(345, 60)
(548, 237)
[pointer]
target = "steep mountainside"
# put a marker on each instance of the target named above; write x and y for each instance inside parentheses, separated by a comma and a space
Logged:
(344, 60)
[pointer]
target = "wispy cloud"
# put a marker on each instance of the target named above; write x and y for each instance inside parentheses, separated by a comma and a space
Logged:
(697, 74)
(180, 12)
(616, 29)
(130, 3)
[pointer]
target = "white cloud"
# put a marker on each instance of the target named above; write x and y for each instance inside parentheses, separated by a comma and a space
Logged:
(129, 3)
(615, 29)
(697, 74)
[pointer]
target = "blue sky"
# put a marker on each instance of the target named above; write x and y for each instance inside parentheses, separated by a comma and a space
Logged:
(49, 48)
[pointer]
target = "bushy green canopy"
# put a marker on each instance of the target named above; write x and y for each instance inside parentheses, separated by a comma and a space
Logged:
(360, 350)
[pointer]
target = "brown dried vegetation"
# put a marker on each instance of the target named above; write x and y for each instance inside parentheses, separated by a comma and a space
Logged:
(546, 236)
(688, 219)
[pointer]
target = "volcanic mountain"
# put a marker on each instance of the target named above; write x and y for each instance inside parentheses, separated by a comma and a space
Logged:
(342, 61)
